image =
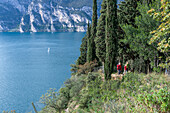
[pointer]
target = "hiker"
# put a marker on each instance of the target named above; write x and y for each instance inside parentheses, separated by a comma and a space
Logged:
(127, 66)
(125, 69)
(119, 68)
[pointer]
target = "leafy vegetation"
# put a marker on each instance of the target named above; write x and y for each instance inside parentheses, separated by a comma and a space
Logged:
(138, 36)
(82, 59)
(85, 68)
(161, 34)
(133, 93)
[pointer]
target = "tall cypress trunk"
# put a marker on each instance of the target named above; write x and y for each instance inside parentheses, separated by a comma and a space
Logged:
(111, 38)
(89, 47)
(100, 35)
(91, 53)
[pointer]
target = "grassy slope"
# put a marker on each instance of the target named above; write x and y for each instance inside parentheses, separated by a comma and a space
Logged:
(132, 93)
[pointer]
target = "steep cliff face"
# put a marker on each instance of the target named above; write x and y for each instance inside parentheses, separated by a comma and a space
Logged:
(20, 5)
(11, 12)
(9, 17)
(50, 16)
(45, 15)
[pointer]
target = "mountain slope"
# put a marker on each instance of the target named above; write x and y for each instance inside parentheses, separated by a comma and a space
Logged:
(11, 12)
(45, 15)
(11, 18)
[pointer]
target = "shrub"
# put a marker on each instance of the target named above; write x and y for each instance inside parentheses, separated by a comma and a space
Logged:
(84, 69)
(58, 101)
(74, 69)
(134, 93)
(156, 100)
(50, 100)
(85, 99)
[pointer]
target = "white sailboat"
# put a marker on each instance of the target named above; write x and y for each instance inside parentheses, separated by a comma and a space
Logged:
(48, 50)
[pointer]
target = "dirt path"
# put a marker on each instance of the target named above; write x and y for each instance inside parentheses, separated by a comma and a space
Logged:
(114, 76)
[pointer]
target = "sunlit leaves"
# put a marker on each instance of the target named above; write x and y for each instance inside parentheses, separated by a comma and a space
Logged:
(161, 34)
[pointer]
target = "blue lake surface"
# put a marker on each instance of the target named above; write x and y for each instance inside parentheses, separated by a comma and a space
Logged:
(28, 70)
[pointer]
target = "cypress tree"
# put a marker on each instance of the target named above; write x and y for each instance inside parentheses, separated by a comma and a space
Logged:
(127, 12)
(89, 47)
(91, 54)
(100, 36)
(83, 51)
(111, 38)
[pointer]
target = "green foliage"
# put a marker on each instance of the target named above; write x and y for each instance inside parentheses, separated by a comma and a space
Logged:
(89, 44)
(134, 35)
(155, 100)
(58, 101)
(91, 54)
(100, 36)
(87, 67)
(75, 89)
(91, 77)
(137, 93)
(82, 59)
(138, 38)
(85, 99)
(86, 96)
(111, 38)
(84, 69)
(134, 93)
(127, 12)
(51, 101)
(74, 68)
(91, 91)
(162, 33)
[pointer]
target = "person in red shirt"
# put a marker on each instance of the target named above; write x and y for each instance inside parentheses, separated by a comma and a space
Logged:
(125, 69)
(119, 68)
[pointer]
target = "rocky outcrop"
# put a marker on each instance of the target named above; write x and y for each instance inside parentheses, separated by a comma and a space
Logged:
(51, 17)
(45, 15)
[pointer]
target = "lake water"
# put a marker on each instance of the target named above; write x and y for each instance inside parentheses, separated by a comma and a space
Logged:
(28, 69)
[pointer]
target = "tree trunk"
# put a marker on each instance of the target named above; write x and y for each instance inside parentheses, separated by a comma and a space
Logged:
(59, 110)
(148, 66)
(102, 67)
(168, 70)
